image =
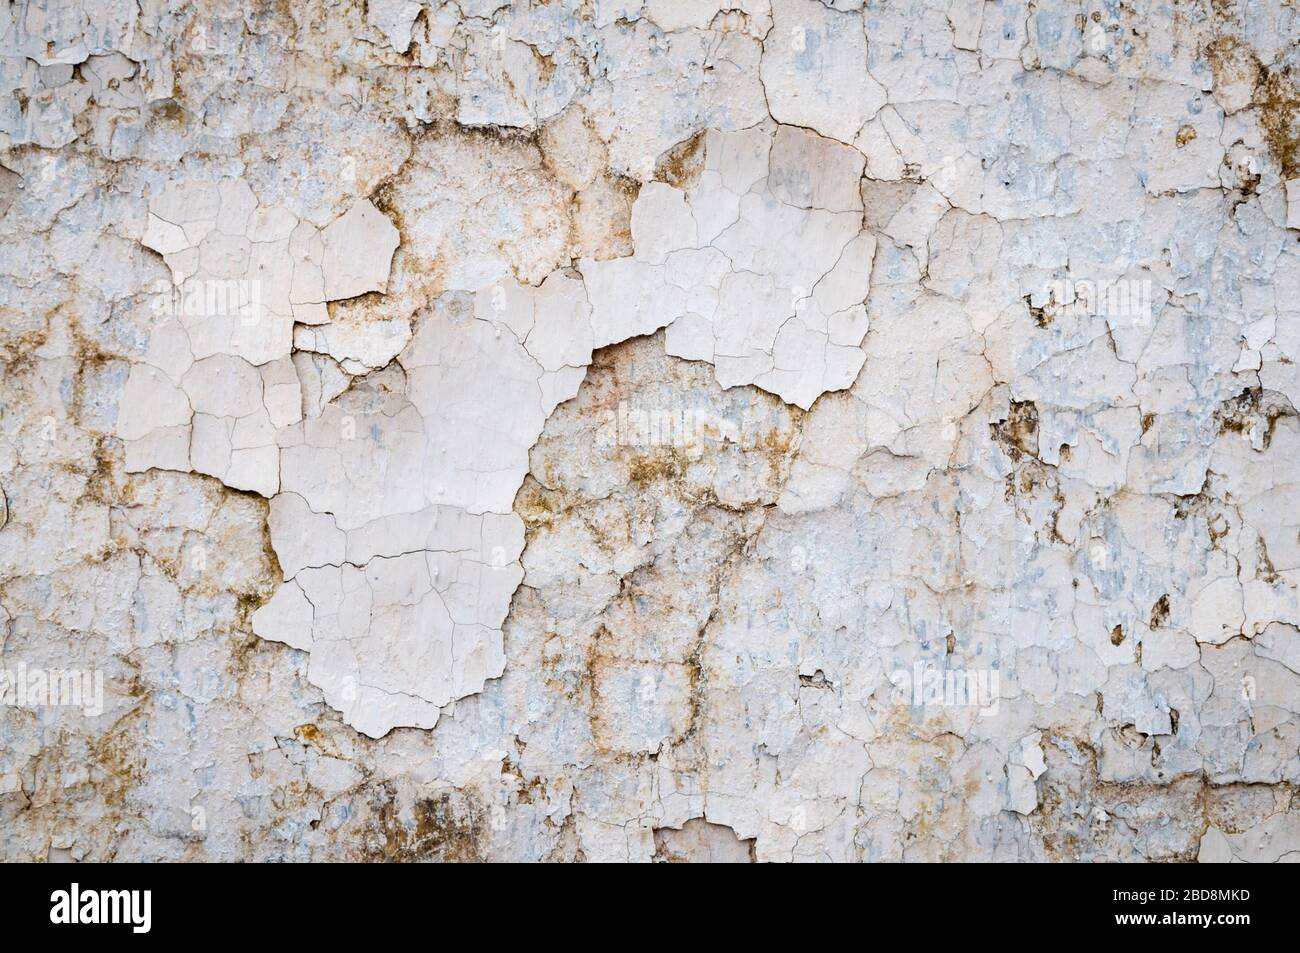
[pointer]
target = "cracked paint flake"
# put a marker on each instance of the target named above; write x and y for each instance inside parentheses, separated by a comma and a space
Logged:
(632, 430)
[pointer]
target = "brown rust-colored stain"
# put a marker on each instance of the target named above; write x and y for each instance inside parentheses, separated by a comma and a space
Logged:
(683, 164)
(545, 64)
(446, 828)
(648, 468)
(169, 110)
(1043, 317)
(536, 505)
(1018, 434)
(117, 759)
(308, 733)
(1277, 99)
(531, 790)
(539, 506)
(106, 484)
(1265, 569)
(1232, 61)
(1160, 612)
(18, 354)
(1276, 95)
(568, 847)
(778, 442)
(1250, 408)
(1117, 635)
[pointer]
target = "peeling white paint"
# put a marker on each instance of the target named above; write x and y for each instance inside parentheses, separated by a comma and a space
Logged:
(775, 431)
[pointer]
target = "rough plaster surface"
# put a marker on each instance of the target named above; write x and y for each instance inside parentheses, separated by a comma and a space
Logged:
(667, 430)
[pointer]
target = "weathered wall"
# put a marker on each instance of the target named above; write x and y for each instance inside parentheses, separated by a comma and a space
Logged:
(650, 430)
